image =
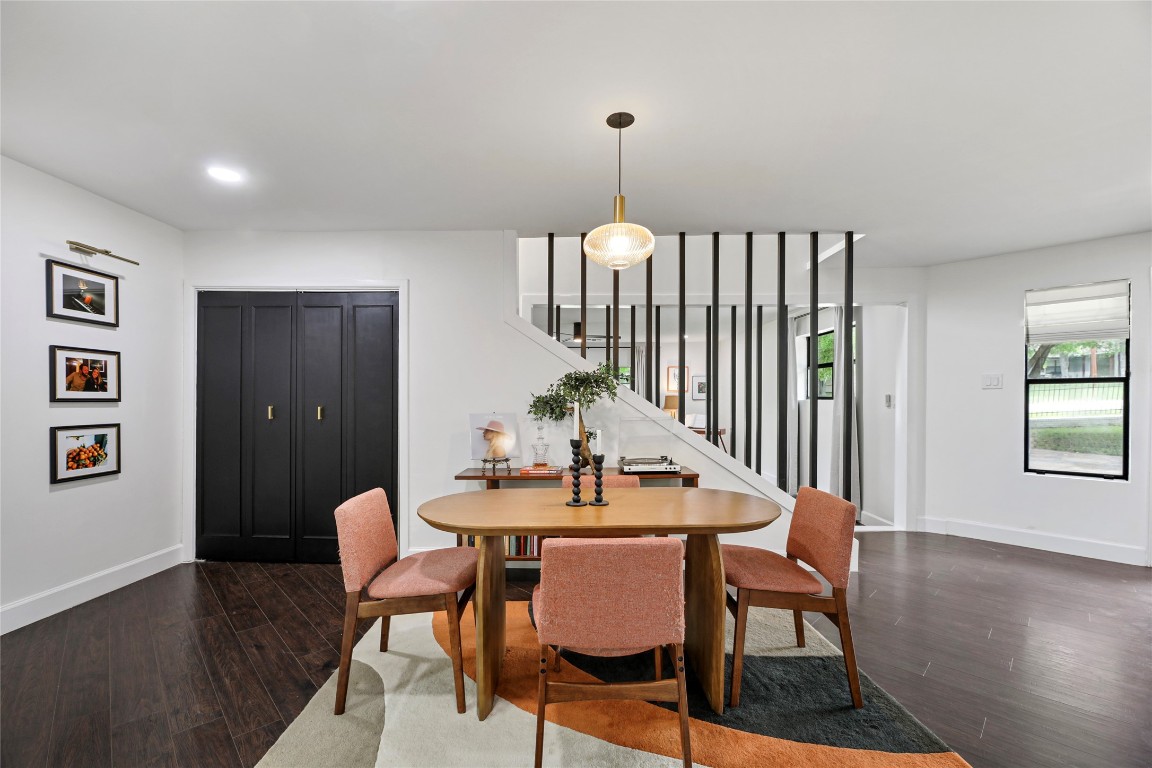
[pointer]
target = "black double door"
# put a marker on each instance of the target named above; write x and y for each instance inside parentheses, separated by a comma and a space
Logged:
(296, 412)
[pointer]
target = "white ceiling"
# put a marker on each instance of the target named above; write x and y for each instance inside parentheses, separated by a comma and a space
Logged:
(944, 131)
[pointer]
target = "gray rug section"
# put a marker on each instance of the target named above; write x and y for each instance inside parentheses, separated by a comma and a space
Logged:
(798, 694)
(317, 736)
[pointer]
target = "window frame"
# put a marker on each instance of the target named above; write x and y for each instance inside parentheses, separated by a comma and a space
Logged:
(1124, 380)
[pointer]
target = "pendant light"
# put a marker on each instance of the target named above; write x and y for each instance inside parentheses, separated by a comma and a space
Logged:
(619, 245)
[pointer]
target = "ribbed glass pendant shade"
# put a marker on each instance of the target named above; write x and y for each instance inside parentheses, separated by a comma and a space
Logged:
(619, 245)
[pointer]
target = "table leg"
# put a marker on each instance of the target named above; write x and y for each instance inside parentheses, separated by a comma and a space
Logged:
(704, 615)
(488, 603)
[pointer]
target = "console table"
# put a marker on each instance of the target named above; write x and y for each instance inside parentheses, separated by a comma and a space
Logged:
(494, 478)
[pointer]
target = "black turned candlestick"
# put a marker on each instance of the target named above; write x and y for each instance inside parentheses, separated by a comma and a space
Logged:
(598, 467)
(575, 467)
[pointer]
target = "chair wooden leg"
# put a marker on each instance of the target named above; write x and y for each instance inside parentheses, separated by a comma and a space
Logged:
(798, 617)
(682, 704)
(841, 598)
(738, 646)
(385, 623)
(541, 699)
(351, 604)
(453, 609)
(659, 661)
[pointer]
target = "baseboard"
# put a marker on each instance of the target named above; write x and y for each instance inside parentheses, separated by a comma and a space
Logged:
(867, 518)
(39, 606)
(1051, 542)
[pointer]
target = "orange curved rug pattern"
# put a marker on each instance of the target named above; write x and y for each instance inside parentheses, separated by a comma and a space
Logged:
(652, 728)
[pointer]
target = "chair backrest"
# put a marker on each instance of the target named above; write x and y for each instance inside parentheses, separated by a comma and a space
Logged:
(367, 538)
(607, 481)
(611, 594)
(821, 534)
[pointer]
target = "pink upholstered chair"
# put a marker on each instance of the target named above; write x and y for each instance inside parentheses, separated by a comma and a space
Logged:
(821, 535)
(588, 482)
(426, 581)
(580, 604)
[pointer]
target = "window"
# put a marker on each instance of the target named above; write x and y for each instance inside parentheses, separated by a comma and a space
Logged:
(826, 354)
(1076, 380)
(825, 363)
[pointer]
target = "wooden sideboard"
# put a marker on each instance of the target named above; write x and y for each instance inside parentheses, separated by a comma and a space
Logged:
(508, 478)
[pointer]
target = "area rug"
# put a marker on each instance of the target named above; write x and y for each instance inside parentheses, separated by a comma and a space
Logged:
(795, 710)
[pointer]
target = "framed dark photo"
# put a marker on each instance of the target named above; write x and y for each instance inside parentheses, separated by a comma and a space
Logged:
(78, 293)
(88, 450)
(77, 374)
(699, 388)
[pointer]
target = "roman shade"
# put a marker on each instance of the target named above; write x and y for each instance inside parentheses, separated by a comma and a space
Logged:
(1078, 312)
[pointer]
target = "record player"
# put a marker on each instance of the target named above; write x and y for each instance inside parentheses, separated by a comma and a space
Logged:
(632, 465)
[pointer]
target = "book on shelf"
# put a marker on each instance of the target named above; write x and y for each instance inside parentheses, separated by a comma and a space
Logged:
(541, 470)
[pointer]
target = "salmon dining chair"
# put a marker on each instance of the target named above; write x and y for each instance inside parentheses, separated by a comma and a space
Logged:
(588, 482)
(821, 535)
(425, 581)
(611, 597)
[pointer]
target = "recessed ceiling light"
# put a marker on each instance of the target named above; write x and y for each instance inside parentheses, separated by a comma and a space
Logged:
(226, 175)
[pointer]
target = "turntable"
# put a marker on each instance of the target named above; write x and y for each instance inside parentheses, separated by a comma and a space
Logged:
(648, 465)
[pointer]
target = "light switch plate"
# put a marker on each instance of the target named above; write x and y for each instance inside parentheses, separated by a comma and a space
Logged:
(992, 381)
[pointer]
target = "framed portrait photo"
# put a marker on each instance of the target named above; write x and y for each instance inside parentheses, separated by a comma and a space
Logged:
(77, 374)
(673, 377)
(493, 436)
(89, 450)
(78, 293)
(699, 388)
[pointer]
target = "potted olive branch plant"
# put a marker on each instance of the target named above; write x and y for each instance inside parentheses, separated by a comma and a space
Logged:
(581, 387)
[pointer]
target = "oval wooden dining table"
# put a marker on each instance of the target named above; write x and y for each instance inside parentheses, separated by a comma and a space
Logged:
(701, 513)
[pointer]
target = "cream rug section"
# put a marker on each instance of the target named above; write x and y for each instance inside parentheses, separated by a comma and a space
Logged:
(401, 713)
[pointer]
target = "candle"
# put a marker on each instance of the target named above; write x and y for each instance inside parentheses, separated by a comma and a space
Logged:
(576, 421)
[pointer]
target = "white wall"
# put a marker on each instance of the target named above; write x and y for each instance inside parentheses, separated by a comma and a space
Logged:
(109, 531)
(884, 361)
(976, 485)
(464, 353)
(460, 356)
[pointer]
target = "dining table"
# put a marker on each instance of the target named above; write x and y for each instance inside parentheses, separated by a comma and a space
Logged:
(701, 514)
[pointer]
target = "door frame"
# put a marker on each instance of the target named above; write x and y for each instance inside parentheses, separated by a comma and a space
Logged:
(188, 419)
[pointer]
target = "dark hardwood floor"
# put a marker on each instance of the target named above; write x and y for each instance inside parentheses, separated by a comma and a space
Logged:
(201, 665)
(1014, 657)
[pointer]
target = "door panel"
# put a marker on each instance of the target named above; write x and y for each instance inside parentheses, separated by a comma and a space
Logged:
(372, 381)
(219, 454)
(272, 388)
(320, 452)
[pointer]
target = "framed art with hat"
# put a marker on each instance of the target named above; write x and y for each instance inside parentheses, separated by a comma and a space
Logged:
(494, 436)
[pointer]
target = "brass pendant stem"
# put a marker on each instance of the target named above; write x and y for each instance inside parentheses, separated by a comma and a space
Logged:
(618, 209)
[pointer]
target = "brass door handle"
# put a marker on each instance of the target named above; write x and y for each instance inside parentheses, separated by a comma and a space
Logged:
(319, 413)
(271, 413)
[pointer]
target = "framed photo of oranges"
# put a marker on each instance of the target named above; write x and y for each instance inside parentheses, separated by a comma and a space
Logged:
(81, 452)
(81, 294)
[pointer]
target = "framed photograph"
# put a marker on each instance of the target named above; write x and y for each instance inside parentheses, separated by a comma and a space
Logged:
(77, 374)
(672, 378)
(493, 436)
(699, 388)
(78, 293)
(89, 450)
